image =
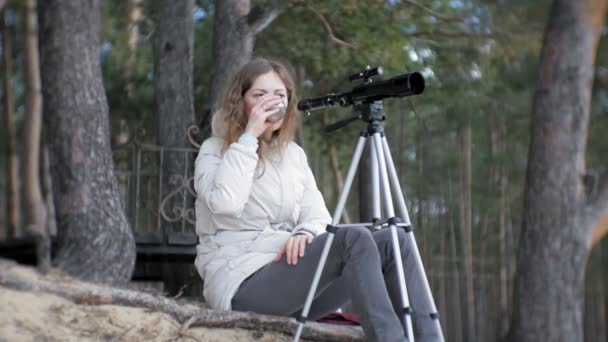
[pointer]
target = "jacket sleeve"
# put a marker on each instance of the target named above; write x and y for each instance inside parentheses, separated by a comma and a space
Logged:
(314, 216)
(224, 183)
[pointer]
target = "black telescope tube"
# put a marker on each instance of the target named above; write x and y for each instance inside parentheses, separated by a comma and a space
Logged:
(399, 86)
(312, 103)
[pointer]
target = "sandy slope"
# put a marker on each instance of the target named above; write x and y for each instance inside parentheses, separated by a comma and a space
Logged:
(30, 316)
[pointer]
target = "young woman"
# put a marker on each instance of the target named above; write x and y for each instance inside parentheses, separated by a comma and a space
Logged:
(261, 219)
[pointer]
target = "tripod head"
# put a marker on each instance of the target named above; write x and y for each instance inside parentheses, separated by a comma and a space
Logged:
(366, 98)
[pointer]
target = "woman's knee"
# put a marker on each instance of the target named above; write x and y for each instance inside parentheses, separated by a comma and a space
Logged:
(384, 235)
(401, 235)
(356, 234)
(384, 238)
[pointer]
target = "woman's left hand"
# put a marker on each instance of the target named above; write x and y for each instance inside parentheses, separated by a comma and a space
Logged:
(294, 248)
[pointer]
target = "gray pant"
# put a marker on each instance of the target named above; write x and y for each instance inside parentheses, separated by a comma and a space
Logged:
(360, 267)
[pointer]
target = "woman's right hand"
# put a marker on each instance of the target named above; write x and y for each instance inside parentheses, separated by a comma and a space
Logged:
(294, 248)
(266, 106)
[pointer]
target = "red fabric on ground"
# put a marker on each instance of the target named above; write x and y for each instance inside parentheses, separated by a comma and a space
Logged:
(340, 319)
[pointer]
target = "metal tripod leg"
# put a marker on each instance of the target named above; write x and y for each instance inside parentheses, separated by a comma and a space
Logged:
(406, 318)
(410, 239)
(336, 218)
(375, 183)
(384, 176)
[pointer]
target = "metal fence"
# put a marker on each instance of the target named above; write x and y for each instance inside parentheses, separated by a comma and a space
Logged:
(157, 190)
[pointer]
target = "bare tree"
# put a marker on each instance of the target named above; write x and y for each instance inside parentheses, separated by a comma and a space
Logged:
(559, 214)
(94, 237)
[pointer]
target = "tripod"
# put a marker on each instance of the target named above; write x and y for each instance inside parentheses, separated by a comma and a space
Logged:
(383, 180)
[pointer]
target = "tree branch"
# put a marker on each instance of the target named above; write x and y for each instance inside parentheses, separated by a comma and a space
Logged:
(434, 13)
(328, 29)
(261, 18)
(188, 315)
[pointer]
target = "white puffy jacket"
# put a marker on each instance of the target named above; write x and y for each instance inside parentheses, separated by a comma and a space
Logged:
(242, 219)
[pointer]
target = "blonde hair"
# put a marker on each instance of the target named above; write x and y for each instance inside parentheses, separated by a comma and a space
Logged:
(230, 120)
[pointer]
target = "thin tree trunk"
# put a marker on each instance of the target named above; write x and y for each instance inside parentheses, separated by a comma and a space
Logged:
(503, 276)
(503, 256)
(36, 217)
(466, 228)
(366, 196)
(419, 194)
(559, 217)
(401, 148)
(443, 265)
(47, 188)
(509, 260)
(299, 138)
(338, 176)
(94, 237)
(13, 200)
(456, 314)
(134, 17)
(499, 181)
(600, 230)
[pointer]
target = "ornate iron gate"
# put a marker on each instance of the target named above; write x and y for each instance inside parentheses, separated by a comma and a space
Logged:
(159, 206)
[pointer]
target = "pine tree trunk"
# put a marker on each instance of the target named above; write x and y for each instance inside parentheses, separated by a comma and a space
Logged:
(13, 200)
(233, 42)
(558, 217)
(173, 48)
(35, 219)
(173, 82)
(94, 237)
(235, 25)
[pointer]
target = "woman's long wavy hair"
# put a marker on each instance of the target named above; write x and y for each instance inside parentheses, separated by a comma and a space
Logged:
(230, 120)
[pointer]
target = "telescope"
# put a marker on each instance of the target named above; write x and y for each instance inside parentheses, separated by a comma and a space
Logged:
(368, 92)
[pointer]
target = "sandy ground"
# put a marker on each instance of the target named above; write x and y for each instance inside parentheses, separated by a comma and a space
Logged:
(31, 316)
